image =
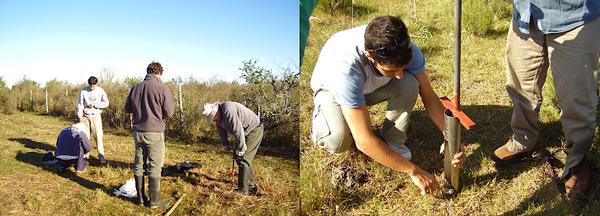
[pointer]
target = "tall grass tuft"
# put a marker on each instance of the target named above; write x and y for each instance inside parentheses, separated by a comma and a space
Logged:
(481, 16)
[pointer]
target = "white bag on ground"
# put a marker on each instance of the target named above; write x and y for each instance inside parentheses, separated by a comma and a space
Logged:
(127, 190)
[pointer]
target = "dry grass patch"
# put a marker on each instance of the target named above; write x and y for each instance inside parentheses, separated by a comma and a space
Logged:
(28, 187)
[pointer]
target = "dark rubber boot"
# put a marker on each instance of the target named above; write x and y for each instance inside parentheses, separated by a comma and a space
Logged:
(252, 188)
(154, 190)
(244, 175)
(140, 188)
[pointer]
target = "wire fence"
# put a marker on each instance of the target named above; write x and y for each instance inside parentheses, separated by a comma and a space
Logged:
(188, 123)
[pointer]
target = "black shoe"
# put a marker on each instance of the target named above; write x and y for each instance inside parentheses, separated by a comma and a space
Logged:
(154, 190)
(102, 160)
(141, 191)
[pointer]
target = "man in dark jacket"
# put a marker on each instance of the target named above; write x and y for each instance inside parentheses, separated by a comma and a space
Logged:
(150, 101)
(71, 146)
(235, 118)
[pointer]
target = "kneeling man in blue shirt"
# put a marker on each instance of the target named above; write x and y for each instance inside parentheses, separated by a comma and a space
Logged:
(72, 145)
(364, 66)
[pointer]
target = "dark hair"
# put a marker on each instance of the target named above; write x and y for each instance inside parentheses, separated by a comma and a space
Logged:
(386, 38)
(154, 68)
(92, 80)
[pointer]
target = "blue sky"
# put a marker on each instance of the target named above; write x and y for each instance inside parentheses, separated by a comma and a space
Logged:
(72, 40)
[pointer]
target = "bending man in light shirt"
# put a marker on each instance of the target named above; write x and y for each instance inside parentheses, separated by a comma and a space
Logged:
(92, 100)
(235, 118)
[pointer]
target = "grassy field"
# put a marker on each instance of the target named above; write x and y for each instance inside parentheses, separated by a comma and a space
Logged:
(365, 187)
(27, 187)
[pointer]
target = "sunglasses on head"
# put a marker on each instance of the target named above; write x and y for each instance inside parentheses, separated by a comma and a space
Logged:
(391, 51)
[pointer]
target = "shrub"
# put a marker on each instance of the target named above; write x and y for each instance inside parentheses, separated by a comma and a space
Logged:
(61, 101)
(8, 105)
(275, 99)
(28, 95)
(191, 124)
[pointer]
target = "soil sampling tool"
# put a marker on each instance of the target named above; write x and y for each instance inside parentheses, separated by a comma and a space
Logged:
(453, 115)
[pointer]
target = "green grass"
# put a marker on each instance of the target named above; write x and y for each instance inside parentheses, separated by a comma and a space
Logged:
(528, 188)
(28, 187)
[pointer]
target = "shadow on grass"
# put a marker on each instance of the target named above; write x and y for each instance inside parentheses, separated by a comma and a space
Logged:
(492, 131)
(110, 163)
(35, 159)
(47, 147)
(545, 194)
(33, 144)
(193, 177)
(495, 33)
(195, 180)
(350, 199)
(283, 151)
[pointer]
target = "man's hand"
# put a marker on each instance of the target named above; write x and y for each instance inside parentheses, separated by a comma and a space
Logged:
(227, 148)
(459, 157)
(425, 181)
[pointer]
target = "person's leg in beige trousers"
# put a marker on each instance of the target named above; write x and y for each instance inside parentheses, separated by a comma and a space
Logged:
(94, 126)
(573, 57)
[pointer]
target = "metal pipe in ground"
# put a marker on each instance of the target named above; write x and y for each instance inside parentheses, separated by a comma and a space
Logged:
(452, 145)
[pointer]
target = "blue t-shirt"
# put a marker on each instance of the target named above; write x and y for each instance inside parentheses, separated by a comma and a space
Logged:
(344, 70)
(554, 16)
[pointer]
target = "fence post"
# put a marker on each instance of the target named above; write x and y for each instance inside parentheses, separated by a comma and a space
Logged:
(181, 116)
(31, 100)
(67, 98)
(46, 101)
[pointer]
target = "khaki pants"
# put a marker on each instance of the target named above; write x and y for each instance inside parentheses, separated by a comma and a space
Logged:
(573, 56)
(252, 142)
(149, 153)
(244, 162)
(331, 132)
(93, 124)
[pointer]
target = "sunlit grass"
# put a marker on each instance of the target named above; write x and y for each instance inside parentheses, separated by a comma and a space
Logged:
(27, 187)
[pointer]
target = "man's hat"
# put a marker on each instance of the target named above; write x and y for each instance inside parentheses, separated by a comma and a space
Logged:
(210, 110)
